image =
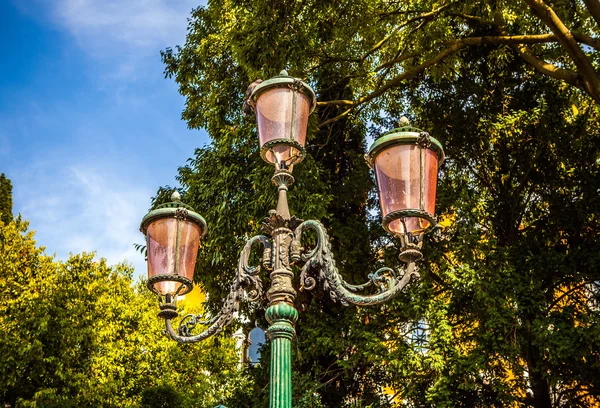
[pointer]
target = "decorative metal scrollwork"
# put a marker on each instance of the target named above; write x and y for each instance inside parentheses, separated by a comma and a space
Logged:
(249, 277)
(247, 280)
(424, 140)
(320, 260)
(181, 213)
(189, 323)
(319, 268)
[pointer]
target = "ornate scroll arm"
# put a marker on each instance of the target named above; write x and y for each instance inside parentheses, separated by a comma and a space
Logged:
(248, 276)
(321, 258)
(247, 279)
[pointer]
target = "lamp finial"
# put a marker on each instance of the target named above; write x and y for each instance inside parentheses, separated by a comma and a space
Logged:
(175, 196)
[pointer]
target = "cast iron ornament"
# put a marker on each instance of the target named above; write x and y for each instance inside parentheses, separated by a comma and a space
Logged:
(281, 249)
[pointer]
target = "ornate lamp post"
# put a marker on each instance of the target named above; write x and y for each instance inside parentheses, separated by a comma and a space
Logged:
(405, 161)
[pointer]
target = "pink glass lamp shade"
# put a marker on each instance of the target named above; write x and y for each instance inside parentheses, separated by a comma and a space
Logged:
(282, 106)
(406, 162)
(173, 233)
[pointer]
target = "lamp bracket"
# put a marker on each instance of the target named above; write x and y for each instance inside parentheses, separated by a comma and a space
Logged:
(319, 261)
(247, 280)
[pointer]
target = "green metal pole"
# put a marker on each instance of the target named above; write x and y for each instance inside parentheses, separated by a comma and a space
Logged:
(281, 314)
(282, 317)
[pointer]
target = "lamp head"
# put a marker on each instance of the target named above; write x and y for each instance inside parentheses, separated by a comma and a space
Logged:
(173, 232)
(406, 161)
(282, 105)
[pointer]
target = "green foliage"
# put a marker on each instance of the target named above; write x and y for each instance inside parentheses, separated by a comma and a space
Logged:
(80, 333)
(162, 396)
(509, 287)
(6, 204)
(520, 259)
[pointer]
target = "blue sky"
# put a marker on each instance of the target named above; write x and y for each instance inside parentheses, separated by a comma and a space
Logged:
(89, 126)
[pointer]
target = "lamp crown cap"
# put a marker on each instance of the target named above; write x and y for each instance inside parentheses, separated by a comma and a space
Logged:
(404, 121)
(283, 73)
(175, 196)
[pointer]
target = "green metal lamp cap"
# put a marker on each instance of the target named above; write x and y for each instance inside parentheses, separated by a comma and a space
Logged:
(405, 134)
(174, 209)
(283, 80)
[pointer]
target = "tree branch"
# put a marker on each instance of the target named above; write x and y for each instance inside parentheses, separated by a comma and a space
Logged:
(335, 119)
(587, 40)
(593, 7)
(422, 16)
(530, 39)
(568, 76)
(579, 37)
(563, 295)
(542, 66)
(396, 60)
(591, 81)
(469, 17)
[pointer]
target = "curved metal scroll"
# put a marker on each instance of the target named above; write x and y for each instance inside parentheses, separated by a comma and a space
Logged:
(247, 280)
(320, 258)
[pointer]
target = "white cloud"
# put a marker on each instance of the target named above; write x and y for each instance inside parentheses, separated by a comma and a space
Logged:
(139, 25)
(76, 176)
(125, 34)
(84, 209)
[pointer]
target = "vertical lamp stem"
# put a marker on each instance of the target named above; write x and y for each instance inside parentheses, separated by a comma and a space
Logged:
(281, 317)
(282, 179)
(281, 314)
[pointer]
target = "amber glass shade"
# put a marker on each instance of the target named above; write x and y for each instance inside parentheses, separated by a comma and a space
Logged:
(282, 113)
(398, 171)
(172, 250)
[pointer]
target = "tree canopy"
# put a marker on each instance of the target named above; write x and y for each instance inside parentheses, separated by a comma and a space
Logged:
(80, 333)
(372, 47)
(5, 199)
(509, 287)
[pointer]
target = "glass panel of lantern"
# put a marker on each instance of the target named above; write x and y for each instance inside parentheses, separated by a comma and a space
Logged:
(282, 106)
(173, 233)
(406, 172)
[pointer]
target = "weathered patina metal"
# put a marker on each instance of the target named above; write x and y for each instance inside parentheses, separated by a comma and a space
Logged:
(283, 247)
(282, 179)
(174, 208)
(394, 215)
(180, 211)
(247, 280)
(402, 135)
(408, 135)
(319, 266)
(284, 80)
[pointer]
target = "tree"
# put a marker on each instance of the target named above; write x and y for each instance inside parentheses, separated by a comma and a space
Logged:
(79, 333)
(5, 199)
(161, 397)
(384, 45)
(513, 277)
(515, 270)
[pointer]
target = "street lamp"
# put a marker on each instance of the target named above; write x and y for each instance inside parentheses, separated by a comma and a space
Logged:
(173, 232)
(405, 161)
